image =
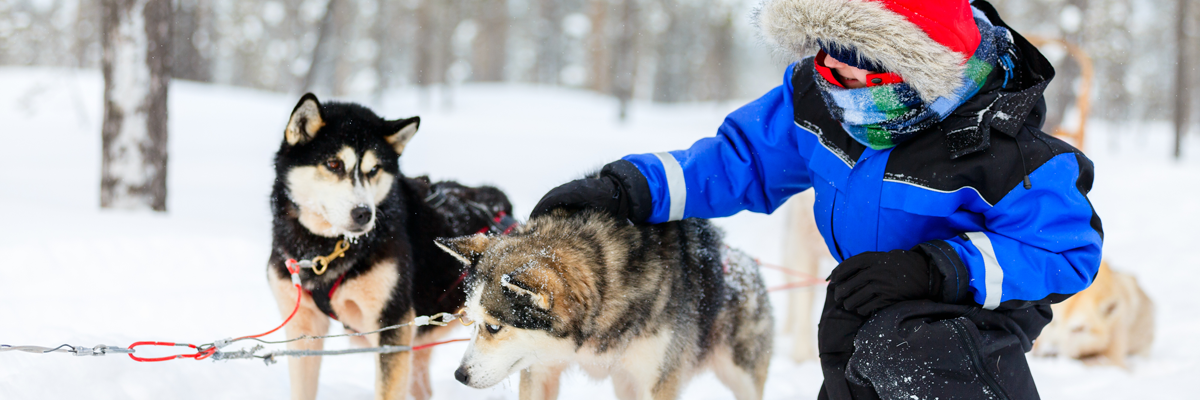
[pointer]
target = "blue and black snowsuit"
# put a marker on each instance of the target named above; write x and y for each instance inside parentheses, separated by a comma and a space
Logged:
(997, 206)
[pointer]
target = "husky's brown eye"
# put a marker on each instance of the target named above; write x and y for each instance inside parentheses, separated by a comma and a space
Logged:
(334, 165)
(492, 329)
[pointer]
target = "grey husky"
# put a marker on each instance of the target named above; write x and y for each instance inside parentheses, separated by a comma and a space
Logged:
(648, 305)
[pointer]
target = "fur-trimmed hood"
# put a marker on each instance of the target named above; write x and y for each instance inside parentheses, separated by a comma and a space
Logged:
(927, 42)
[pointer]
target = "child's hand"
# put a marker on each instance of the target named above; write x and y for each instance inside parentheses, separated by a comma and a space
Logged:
(870, 281)
(619, 189)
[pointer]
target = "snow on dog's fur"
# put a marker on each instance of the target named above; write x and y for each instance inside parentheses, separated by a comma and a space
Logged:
(1108, 321)
(648, 305)
(338, 176)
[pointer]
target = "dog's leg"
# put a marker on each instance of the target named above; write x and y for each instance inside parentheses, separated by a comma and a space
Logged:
(309, 320)
(1141, 335)
(745, 384)
(625, 386)
(422, 388)
(393, 371)
(540, 382)
(667, 387)
(1118, 348)
(803, 250)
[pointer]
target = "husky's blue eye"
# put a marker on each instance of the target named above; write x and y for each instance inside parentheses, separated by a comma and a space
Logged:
(373, 171)
(492, 329)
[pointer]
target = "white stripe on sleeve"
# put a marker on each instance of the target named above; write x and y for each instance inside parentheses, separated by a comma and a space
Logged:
(675, 184)
(994, 281)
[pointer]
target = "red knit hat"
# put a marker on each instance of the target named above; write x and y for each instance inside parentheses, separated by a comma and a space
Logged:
(927, 42)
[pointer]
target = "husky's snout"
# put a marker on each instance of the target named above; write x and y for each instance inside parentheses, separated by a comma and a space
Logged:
(361, 216)
(462, 375)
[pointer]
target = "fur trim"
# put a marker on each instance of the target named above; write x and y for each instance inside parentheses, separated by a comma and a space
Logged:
(799, 27)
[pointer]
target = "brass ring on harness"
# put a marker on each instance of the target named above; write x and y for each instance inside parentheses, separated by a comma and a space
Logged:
(462, 317)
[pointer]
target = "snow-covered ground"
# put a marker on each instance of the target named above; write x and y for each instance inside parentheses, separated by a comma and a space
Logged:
(70, 273)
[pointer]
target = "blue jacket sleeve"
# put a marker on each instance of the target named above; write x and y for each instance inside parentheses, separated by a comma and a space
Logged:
(1040, 244)
(753, 163)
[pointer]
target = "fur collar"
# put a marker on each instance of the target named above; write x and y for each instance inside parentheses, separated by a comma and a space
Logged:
(799, 27)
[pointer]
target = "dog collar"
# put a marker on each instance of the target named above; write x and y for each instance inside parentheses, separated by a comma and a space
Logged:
(319, 264)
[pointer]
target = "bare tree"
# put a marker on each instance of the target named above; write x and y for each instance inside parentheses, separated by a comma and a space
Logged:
(549, 36)
(490, 53)
(432, 39)
(423, 57)
(1180, 116)
(382, 34)
(719, 64)
(320, 71)
(625, 55)
(136, 37)
(599, 52)
(192, 27)
(1061, 92)
(671, 74)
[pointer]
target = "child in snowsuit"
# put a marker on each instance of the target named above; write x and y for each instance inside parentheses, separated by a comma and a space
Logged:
(954, 219)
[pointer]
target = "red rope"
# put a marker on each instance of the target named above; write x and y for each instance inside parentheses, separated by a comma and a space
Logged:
(289, 318)
(428, 345)
(208, 352)
(806, 280)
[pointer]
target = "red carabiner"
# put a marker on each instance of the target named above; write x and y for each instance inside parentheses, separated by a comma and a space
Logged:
(200, 354)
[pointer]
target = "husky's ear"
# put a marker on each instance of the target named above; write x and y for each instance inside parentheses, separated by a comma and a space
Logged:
(465, 248)
(403, 131)
(305, 121)
(522, 289)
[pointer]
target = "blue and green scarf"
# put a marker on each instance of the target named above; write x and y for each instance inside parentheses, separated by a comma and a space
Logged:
(883, 116)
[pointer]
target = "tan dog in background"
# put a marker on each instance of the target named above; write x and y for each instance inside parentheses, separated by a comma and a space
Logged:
(1102, 324)
(803, 251)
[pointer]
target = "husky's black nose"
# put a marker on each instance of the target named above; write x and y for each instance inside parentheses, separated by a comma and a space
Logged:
(461, 374)
(361, 215)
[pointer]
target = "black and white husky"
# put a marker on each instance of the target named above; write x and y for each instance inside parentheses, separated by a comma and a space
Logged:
(338, 178)
(648, 305)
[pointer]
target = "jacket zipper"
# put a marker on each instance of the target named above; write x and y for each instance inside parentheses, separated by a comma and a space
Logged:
(976, 359)
(832, 211)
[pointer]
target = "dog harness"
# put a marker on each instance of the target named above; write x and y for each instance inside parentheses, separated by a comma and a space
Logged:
(499, 223)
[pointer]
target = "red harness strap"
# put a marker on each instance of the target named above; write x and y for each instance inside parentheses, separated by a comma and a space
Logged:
(325, 303)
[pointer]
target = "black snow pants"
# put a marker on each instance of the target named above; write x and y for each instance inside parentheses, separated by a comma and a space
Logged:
(927, 350)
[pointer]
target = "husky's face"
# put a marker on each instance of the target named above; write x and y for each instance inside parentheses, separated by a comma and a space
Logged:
(519, 302)
(1084, 327)
(338, 162)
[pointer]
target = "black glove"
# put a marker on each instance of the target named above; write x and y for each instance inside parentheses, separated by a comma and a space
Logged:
(870, 281)
(619, 189)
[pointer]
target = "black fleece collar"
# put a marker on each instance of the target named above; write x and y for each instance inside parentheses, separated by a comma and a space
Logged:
(1003, 104)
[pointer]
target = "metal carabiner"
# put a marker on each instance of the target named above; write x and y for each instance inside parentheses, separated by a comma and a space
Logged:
(339, 249)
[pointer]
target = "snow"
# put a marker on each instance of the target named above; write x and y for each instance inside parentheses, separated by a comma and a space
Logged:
(75, 274)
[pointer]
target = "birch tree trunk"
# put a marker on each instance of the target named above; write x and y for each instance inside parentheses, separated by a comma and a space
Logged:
(136, 38)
